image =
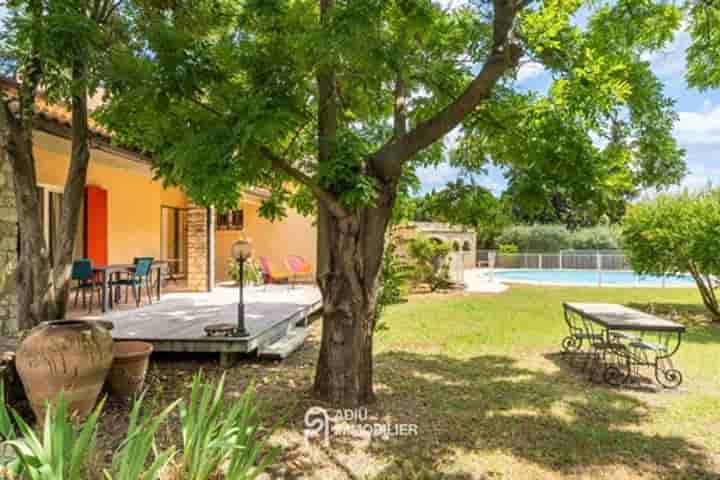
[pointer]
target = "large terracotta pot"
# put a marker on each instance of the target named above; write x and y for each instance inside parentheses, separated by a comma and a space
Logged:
(69, 356)
(130, 365)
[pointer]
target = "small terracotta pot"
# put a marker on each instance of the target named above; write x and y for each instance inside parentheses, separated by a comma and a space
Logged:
(69, 356)
(127, 374)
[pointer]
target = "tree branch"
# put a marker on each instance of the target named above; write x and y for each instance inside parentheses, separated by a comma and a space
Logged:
(322, 195)
(387, 162)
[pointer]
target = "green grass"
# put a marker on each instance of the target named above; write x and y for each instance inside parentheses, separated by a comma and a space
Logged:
(483, 377)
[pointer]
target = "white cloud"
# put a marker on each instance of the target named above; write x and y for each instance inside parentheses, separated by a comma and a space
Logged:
(701, 128)
(529, 70)
(698, 132)
(671, 60)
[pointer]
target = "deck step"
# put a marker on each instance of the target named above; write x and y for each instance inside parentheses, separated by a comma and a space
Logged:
(282, 348)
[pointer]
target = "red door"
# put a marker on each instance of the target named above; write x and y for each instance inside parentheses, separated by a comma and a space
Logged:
(96, 225)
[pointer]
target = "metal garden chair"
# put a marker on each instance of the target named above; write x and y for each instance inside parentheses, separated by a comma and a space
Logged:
(84, 276)
(136, 279)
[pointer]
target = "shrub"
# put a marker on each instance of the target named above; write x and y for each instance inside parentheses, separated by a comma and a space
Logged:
(536, 238)
(508, 248)
(675, 234)
(61, 452)
(553, 238)
(132, 455)
(601, 237)
(430, 262)
(251, 272)
(213, 436)
(393, 279)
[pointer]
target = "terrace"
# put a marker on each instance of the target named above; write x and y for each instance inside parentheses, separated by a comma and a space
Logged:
(275, 316)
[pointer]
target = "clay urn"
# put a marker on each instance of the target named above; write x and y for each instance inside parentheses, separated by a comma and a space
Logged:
(129, 367)
(69, 356)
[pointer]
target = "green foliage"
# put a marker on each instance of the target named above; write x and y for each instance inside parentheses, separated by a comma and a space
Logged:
(602, 89)
(251, 271)
(214, 90)
(7, 429)
(430, 265)
(675, 234)
(53, 39)
(214, 435)
(216, 439)
(658, 234)
(536, 238)
(61, 452)
(704, 52)
(553, 238)
(129, 462)
(465, 204)
(508, 248)
(393, 280)
(601, 237)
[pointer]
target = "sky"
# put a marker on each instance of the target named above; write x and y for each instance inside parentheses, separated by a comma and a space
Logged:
(697, 129)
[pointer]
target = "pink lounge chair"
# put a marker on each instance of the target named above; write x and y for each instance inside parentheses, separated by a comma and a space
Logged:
(270, 274)
(299, 268)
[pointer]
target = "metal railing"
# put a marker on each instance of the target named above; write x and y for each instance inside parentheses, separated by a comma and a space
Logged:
(614, 260)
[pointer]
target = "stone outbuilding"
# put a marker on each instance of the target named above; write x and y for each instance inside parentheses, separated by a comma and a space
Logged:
(462, 240)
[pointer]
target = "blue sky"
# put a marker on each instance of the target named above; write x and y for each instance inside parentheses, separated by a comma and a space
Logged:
(697, 129)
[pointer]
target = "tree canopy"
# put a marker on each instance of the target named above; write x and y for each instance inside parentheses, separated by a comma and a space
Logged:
(331, 104)
(601, 134)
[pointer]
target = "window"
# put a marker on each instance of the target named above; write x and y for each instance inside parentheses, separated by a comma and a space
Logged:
(51, 198)
(230, 220)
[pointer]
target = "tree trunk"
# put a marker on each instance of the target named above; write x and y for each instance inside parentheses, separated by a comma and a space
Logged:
(351, 244)
(33, 269)
(74, 189)
(707, 291)
(344, 374)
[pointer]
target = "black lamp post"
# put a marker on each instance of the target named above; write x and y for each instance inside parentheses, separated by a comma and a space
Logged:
(241, 252)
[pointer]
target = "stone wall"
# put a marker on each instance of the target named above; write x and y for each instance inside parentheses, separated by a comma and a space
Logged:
(8, 249)
(200, 274)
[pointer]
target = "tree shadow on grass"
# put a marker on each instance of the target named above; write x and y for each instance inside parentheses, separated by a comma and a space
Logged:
(489, 404)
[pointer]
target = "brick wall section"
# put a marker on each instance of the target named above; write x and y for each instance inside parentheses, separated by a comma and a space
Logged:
(8, 249)
(199, 270)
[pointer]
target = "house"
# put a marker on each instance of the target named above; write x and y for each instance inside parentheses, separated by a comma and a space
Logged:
(127, 213)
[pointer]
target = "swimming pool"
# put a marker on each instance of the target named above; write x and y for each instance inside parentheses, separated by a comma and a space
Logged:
(591, 277)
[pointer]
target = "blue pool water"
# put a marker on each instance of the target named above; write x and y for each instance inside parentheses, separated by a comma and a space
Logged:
(590, 277)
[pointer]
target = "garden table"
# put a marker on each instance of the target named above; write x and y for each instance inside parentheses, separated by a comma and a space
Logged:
(108, 271)
(625, 333)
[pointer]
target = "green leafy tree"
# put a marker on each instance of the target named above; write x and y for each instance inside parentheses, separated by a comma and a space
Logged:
(676, 234)
(466, 204)
(330, 104)
(56, 48)
(604, 122)
(703, 56)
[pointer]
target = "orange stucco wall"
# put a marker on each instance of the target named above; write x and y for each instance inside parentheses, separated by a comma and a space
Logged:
(293, 235)
(134, 199)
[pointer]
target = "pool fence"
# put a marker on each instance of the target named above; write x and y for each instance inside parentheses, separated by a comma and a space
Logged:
(596, 260)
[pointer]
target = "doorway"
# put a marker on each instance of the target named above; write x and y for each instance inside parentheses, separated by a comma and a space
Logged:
(173, 240)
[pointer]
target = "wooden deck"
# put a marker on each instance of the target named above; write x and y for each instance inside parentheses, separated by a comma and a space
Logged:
(177, 322)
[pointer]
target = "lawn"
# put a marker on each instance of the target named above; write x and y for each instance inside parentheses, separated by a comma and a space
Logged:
(481, 377)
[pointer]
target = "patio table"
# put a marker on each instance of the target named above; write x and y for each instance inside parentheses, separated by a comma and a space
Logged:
(108, 271)
(633, 348)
